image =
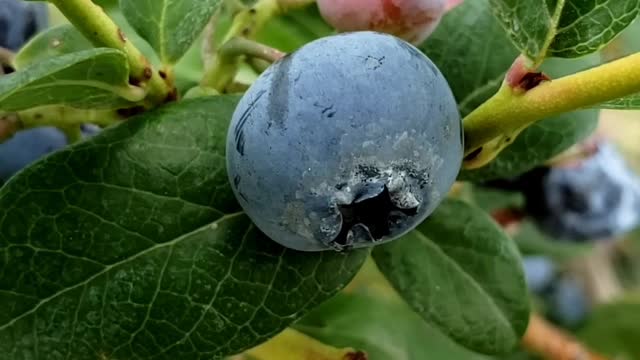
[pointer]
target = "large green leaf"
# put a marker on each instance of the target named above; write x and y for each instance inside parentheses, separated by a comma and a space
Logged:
(386, 329)
(564, 28)
(55, 41)
(472, 51)
(95, 78)
(131, 246)
(170, 26)
(537, 144)
(461, 273)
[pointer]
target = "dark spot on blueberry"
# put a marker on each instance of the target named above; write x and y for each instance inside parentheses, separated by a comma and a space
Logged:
(376, 214)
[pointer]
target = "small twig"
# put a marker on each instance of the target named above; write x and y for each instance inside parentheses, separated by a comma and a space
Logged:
(551, 343)
(495, 124)
(91, 20)
(209, 44)
(225, 63)
(258, 65)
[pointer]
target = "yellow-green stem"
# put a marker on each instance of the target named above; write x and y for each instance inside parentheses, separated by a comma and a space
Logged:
(62, 116)
(225, 64)
(97, 26)
(494, 124)
(246, 24)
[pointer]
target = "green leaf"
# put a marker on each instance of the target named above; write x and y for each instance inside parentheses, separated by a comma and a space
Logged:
(631, 102)
(490, 199)
(385, 329)
(95, 78)
(131, 246)
(613, 329)
(56, 41)
(170, 26)
(563, 28)
(533, 241)
(537, 144)
(290, 31)
(461, 273)
(472, 51)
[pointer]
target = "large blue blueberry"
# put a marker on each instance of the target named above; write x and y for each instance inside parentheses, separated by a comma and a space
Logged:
(28, 146)
(350, 141)
(19, 21)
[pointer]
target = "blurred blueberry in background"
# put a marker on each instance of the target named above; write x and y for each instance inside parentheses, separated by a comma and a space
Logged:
(539, 271)
(596, 199)
(19, 21)
(27, 146)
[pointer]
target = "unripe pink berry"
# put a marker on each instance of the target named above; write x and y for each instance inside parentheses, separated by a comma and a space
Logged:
(411, 20)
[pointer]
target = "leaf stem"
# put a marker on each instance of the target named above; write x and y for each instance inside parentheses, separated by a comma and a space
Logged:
(226, 61)
(63, 116)
(496, 123)
(246, 24)
(98, 27)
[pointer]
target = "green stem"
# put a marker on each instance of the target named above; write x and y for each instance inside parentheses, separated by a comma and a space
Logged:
(495, 124)
(225, 64)
(98, 27)
(246, 24)
(73, 133)
(63, 117)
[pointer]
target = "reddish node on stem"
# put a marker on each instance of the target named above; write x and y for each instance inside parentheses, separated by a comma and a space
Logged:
(521, 77)
(507, 217)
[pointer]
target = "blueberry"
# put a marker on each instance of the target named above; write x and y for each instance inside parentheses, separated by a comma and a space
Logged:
(19, 21)
(599, 199)
(539, 272)
(28, 146)
(568, 302)
(350, 141)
